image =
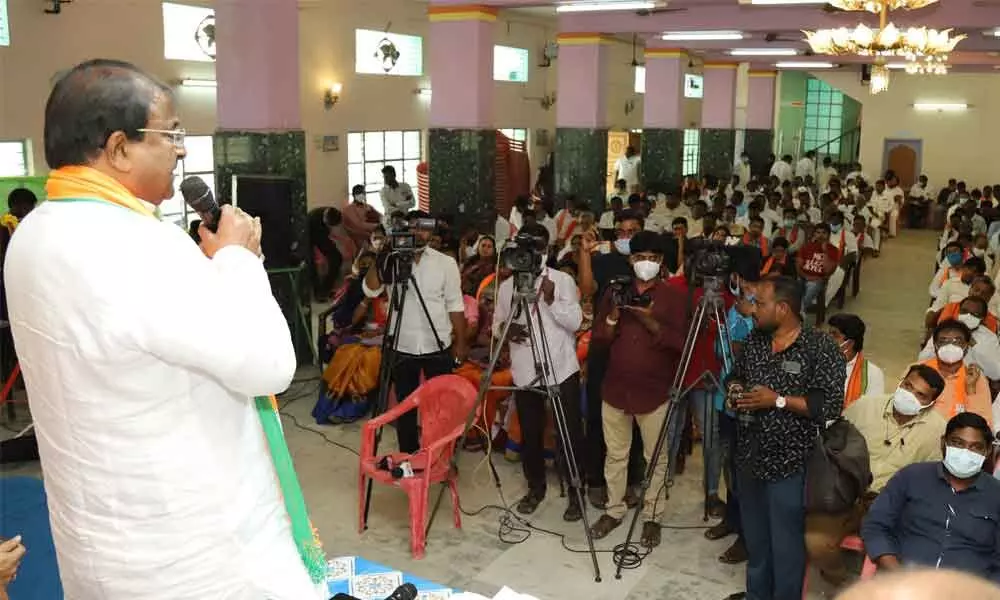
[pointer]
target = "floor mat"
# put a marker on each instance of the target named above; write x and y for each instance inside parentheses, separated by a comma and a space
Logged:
(23, 512)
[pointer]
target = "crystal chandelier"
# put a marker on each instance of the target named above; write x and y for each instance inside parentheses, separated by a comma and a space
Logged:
(933, 65)
(879, 79)
(877, 6)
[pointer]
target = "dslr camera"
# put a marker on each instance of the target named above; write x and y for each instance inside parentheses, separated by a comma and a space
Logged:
(623, 293)
(524, 254)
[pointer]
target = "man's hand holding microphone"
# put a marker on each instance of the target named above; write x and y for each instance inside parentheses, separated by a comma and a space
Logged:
(221, 226)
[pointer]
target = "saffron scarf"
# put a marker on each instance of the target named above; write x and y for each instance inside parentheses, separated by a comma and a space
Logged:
(961, 391)
(950, 311)
(858, 381)
(761, 243)
(78, 183)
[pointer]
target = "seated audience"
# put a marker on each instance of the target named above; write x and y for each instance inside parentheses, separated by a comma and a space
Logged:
(957, 288)
(941, 514)
(816, 262)
(479, 265)
(981, 287)
(780, 262)
(984, 351)
(966, 390)
(864, 378)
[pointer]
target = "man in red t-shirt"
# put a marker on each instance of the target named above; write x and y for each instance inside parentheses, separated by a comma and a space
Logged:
(816, 261)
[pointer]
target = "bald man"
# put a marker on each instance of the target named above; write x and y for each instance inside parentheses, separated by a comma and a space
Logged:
(923, 585)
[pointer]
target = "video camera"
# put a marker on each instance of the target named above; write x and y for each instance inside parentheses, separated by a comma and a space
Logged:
(402, 239)
(623, 293)
(524, 254)
(708, 258)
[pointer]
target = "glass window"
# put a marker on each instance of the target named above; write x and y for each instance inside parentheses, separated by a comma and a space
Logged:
(510, 64)
(640, 80)
(369, 151)
(381, 53)
(690, 161)
(14, 158)
(188, 32)
(4, 27)
(518, 135)
(200, 162)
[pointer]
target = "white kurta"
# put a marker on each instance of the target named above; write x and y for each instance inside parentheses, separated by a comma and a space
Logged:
(140, 356)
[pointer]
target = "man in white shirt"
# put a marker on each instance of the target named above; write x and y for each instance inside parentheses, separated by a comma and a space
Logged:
(846, 244)
(956, 289)
(825, 174)
(921, 197)
(742, 169)
(557, 311)
(782, 169)
(397, 197)
(429, 347)
(864, 378)
(896, 196)
(882, 205)
(857, 173)
(668, 208)
(806, 167)
(984, 351)
(627, 168)
(159, 477)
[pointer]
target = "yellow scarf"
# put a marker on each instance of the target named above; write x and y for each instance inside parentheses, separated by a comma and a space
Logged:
(79, 182)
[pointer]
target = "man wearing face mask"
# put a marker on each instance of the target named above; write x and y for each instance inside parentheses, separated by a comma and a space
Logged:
(425, 347)
(792, 230)
(943, 515)
(984, 351)
(864, 378)
(966, 389)
(598, 263)
(899, 430)
(981, 287)
(644, 340)
(360, 219)
(956, 288)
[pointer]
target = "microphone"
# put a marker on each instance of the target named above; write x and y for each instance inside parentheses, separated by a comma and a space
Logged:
(199, 197)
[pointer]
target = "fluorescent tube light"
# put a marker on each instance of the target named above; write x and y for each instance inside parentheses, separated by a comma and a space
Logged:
(605, 5)
(764, 52)
(694, 36)
(805, 65)
(423, 92)
(940, 106)
(199, 83)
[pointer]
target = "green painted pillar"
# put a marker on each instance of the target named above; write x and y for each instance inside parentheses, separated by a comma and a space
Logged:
(663, 159)
(463, 173)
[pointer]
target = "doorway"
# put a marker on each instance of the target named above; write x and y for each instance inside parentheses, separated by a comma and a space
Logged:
(905, 158)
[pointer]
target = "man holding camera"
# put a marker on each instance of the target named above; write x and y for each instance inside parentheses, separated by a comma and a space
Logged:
(433, 313)
(642, 323)
(557, 311)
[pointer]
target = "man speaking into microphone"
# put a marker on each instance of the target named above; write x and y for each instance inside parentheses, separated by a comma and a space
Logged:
(141, 354)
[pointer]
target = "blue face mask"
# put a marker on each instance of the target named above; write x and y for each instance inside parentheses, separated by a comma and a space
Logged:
(835, 228)
(623, 246)
(954, 259)
(741, 210)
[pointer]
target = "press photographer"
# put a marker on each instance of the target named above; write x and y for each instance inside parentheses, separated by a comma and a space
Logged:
(641, 324)
(432, 310)
(557, 312)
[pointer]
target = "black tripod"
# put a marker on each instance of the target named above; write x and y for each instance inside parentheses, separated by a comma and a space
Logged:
(400, 267)
(522, 304)
(710, 307)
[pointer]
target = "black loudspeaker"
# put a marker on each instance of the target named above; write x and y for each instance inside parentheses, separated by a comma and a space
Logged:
(866, 74)
(270, 198)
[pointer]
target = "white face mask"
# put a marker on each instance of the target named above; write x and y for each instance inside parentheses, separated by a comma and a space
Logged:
(980, 252)
(970, 321)
(359, 198)
(950, 354)
(962, 463)
(623, 246)
(905, 403)
(646, 270)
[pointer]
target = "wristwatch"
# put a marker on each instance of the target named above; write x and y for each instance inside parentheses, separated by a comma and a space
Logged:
(780, 402)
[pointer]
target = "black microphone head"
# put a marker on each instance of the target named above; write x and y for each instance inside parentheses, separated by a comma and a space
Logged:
(407, 591)
(199, 197)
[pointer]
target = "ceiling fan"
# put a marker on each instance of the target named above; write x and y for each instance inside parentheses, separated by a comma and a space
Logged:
(635, 52)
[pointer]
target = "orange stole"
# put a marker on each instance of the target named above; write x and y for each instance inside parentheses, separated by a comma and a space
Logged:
(857, 382)
(763, 243)
(950, 311)
(961, 393)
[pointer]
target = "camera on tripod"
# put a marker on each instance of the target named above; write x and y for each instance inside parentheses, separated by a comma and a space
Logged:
(708, 258)
(524, 254)
(402, 239)
(623, 293)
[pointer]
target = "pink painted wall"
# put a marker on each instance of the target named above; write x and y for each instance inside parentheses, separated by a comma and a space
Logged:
(760, 109)
(461, 68)
(719, 104)
(582, 95)
(664, 102)
(258, 64)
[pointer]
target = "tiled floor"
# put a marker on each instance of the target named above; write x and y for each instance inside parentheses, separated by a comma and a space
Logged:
(893, 298)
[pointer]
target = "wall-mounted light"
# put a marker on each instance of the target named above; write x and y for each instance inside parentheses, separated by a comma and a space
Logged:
(940, 106)
(199, 83)
(423, 92)
(331, 96)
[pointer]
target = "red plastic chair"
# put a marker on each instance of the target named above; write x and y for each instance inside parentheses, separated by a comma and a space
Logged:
(854, 543)
(444, 404)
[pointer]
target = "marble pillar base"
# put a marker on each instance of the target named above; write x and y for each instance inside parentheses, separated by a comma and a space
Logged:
(280, 154)
(663, 159)
(581, 165)
(462, 171)
(758, 143)
(717, 152)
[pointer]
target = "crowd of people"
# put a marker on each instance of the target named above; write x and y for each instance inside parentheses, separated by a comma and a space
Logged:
(795, 369)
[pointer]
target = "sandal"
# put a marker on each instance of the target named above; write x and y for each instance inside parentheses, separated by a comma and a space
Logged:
(719, 531)
(651, 534)
(605, 525)
(529, 504)
(735, 554)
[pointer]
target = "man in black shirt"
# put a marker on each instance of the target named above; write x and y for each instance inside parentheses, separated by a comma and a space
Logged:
(788, 382)
(598, 264)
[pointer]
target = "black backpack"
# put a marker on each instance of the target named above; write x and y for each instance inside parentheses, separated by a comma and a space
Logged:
(839, 469)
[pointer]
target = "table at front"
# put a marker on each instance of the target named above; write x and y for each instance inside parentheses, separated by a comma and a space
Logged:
(367, 580)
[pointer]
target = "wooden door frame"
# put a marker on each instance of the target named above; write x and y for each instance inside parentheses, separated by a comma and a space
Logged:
(916, 143)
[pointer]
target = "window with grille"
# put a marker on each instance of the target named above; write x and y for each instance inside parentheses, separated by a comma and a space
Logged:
(692, 150)
(14, 160)
(200, 161)
(824, 117)
(510, 64)
(369, 151)
(518, 135)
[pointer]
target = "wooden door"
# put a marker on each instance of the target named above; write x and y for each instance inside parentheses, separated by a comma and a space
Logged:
(903, 157)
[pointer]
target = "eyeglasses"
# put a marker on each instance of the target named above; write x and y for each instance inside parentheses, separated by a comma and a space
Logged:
(175, 135)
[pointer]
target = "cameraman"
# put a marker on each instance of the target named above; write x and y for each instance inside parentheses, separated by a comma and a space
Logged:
(557, 311)
(599, 263)
(422, 346)
(644, 332)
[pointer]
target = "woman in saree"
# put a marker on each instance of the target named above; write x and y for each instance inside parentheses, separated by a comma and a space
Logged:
(477, 267)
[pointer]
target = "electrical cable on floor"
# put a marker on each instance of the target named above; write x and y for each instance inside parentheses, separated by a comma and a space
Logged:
(296, 423)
